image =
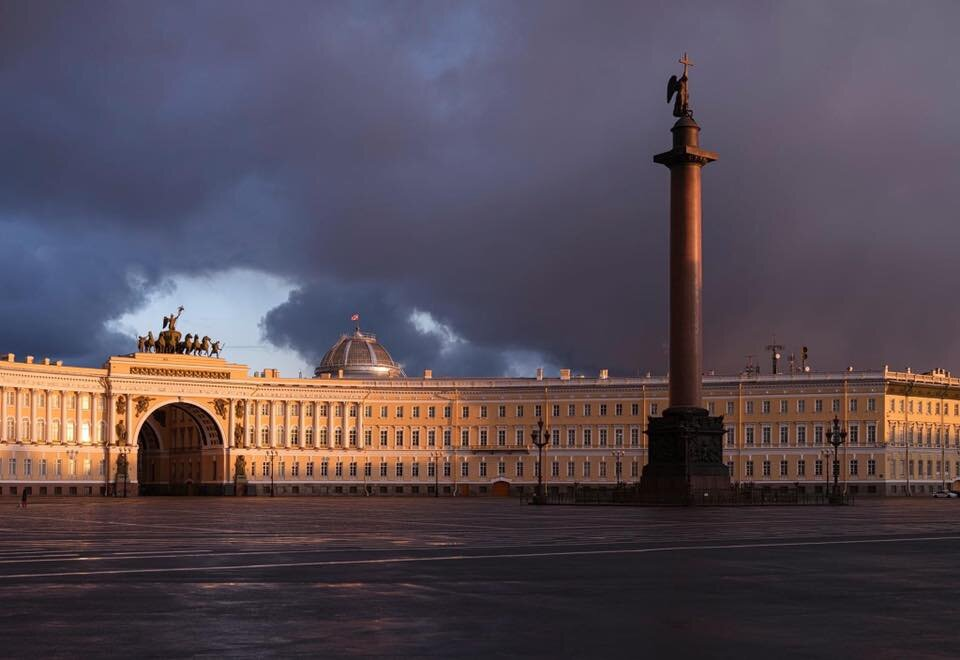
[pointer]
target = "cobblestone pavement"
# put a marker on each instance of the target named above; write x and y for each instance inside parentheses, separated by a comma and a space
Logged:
(162, 577)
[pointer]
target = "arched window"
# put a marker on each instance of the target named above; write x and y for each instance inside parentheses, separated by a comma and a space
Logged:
(71, 435)
(338, 437)
(295, 436)
(55, 430)
(280, 436)
(11, 429)
(323, 437)
(41, 427)
(24, 430)
(309, 437)
(265, 437)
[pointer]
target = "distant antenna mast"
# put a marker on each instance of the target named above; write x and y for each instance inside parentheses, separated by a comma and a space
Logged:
(775, 349)
(803, 360)
(750, 369)
(792, 361)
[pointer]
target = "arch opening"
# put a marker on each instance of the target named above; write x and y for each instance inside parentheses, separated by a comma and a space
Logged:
(181, 452)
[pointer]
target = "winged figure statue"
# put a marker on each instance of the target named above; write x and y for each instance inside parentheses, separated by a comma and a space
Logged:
(678, 86)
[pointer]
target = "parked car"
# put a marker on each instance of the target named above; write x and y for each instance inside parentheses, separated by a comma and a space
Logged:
(946, 493)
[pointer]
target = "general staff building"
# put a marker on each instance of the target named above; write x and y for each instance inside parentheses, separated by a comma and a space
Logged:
(167, 423)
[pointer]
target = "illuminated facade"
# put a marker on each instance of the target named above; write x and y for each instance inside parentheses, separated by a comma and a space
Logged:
(180, 422)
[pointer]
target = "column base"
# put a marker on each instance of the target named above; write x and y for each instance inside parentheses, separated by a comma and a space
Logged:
(685, 463)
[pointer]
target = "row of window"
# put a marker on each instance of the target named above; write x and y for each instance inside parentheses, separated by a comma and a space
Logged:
(603, 469)
(430, 437)
(29, 432)
(86, 467)
(801, 468)
(40, 398)
(800, 434)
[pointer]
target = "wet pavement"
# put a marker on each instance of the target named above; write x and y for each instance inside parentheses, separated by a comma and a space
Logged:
(173, 577)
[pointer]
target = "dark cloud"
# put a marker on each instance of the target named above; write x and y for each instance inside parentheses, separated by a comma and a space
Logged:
(488, 164)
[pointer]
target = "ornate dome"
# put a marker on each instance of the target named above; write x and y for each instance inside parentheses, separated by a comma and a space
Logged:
(359, 355)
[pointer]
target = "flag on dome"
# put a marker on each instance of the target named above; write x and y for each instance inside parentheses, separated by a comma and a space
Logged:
(355, 317)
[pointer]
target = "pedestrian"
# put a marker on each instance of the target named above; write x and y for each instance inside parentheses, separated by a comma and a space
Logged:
(23, 499)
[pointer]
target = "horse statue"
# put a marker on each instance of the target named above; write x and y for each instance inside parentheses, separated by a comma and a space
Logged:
(216, 348)
(141, 344)
(162, 343)
(149, 343)
(204, 347)
(188, 344)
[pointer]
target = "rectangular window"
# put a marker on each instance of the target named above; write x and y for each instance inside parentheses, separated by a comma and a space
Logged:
(501, 437)
(853, 405)
(835, 406)
(653, 410)
(854, 467)
(586, 469)
(501, 411)
(556, 410)
(818, 435)
(603, 410)
(801, 468)
(765, 435)
(383, 412)
(431, 412)
(801, 406)
(766, 468)
(587, 437)
(802, 435)
(784, 465)
(483, 412)
(446, 412)
(415, 438)
(730, 407)
(587, 410)
(634, 437)
(783, 406)
(749, 468)
(602, 437)
(571, 437)
(465, 412)
(446, 437)
(872, 467)
(309, 468)
(383, 468)
(571, 410)
(483, 437)
(749, 436)
(555, 469)
(784, 434)
(571, 466)
(765, 407)
(871, 405)
(818, 405)
(465, 437)
(398, 438)
(749, 407)
(853, 434)
(818, 468)
(634, 409)
(483, 468)
(399, 412)
(519, 411)
(871, 433)
(383, 437)
(416, 412)
(432, 438)
(618, 437)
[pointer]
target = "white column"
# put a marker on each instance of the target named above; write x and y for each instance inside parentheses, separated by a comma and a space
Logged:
(300, 424)
(256, 429)
(47, 417)
(286, 423)
(16, 415)
(93, 417)
(130, 439)
(231, 424)
(316, 423)
(359, 424)
(3, 413)
(344, 424)
(33, 416)
(63, 417)
(76, 422)
(329, 423)
(271, 426)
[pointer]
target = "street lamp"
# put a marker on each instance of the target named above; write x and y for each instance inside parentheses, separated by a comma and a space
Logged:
(436, 473)
(272, 453)
(539, 437)
(618, 456)
(836, 437)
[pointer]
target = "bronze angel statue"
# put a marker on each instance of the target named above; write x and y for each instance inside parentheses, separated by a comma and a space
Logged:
(678, 86)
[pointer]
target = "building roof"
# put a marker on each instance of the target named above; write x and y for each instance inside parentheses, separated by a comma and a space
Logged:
(359, 355)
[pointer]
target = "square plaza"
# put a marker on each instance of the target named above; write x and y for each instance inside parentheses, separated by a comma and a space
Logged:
(454, 576)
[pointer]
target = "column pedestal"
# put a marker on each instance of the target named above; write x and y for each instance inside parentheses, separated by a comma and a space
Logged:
(685, 463)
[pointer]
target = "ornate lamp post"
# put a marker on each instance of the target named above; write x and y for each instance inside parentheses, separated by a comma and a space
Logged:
(836, 437)
(272, 453)
(436, 473)
(539, 436)
(618, 457)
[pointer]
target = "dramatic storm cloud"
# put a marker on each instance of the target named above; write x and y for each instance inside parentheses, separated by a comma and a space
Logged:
(476, 179)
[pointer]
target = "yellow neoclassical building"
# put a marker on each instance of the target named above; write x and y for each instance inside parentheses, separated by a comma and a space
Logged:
(172, 423)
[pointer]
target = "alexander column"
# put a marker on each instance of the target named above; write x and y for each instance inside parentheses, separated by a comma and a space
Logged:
(685, 459)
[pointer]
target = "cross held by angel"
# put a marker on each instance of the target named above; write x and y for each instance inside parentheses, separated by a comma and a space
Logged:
(678, 86)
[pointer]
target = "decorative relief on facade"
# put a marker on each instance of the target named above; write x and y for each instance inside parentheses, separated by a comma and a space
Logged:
(121, 430)
(143, 402)
(179, 373)
(121, 404)
(220, 405)
(238, 435)
(239, 408)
